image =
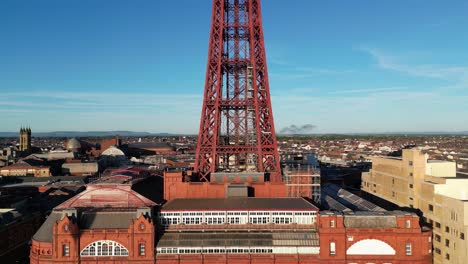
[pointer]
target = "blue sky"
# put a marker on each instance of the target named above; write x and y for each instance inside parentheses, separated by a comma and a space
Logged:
(343, 66)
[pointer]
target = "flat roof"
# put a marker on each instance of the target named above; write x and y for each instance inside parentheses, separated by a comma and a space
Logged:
(389, 157)
(439, 161)
(244, 204)
(394, 213)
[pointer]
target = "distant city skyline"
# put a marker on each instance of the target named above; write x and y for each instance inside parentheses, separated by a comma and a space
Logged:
(335, 67)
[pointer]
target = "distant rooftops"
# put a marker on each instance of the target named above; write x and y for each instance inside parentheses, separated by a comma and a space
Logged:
(150, 145)
(243, 204)
(46, 181)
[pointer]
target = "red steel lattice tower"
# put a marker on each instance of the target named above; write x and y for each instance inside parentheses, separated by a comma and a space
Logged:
(237, 133)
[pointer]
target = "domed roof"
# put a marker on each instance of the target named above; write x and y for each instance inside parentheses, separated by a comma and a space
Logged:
(113, 151)
(73, 144)
(105, 195)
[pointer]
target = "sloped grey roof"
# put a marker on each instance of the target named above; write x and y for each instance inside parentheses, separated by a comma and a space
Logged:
(44, 234)
(113, 220)
(370, 221)
(331, 204)
(244, 239)
(87, 220)
(346, 199)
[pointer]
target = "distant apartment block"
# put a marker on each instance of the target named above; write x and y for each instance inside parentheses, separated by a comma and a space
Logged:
(433, 188)
(25, 169)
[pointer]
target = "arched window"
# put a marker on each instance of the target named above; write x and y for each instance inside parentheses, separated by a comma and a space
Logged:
(104, 248)
(370, 247)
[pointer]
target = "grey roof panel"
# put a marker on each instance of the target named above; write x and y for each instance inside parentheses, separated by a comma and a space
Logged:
(347, 199)
(370, 221)
(44, 234)
(112, 220)
(218, 239)
(87, 220)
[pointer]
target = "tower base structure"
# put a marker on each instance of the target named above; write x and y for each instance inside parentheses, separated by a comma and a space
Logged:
(178, 186)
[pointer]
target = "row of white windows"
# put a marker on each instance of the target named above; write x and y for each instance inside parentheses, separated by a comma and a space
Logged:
(310, 213)
(196, 218)
(166, 221)
(246, 250)
(214, 251)
(104, 248)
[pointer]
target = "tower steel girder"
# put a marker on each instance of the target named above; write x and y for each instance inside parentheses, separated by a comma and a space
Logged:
(236, 128)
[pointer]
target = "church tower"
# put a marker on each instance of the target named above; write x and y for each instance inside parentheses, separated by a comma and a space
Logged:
(25, 139)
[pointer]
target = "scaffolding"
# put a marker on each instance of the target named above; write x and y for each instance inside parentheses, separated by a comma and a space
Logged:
(303, 181)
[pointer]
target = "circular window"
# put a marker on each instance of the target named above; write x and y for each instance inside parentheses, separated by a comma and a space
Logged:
(142, 226)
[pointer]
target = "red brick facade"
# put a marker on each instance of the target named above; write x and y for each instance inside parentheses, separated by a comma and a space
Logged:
(116, 215)
(344, 238)
(176, 188)
(331, 229)
(397, 238)
(67, 233)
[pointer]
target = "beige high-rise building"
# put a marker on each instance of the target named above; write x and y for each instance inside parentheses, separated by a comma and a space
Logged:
(432, 187)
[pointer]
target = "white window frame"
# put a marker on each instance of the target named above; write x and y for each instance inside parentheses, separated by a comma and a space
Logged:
(104, 248)
(409, 249)
(66, 250)
(332, 248)
(142, 249)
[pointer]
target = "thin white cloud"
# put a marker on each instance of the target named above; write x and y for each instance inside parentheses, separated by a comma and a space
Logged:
(456, 75)
(383, 111)
(373, 90)
(81, 100)
(323, 71)
(294, 73)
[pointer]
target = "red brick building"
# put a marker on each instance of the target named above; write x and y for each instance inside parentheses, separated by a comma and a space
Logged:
(107, 223)
(373, 237)
(113, 224)
(238, 230)
(285, 230)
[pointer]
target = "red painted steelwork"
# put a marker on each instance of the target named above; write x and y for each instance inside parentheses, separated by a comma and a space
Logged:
(237, 131)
